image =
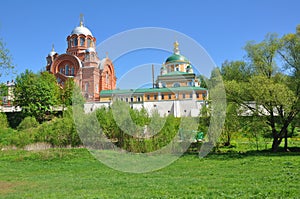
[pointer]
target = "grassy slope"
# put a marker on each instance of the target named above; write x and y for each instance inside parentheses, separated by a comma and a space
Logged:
(74, 173)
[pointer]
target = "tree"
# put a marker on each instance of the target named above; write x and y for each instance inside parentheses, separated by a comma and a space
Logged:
(232, 124)
(5, 59)
(268, 92)
(3, 92)
(67, 92)
(3, 121)
(235, 70)
(36, 94)
(203, 81)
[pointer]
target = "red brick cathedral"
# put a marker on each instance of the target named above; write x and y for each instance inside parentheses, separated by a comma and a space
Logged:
(82, 63)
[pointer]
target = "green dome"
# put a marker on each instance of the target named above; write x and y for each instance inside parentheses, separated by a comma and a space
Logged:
(177, 58)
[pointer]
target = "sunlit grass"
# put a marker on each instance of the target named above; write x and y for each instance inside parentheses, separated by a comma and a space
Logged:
(74, 173)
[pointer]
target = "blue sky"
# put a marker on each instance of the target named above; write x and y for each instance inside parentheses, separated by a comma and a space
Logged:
(222, 27)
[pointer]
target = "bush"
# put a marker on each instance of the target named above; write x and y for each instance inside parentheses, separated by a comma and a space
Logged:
(27, 123)
(7, 136)
(3, 121)
(24, 137)
(59, 132)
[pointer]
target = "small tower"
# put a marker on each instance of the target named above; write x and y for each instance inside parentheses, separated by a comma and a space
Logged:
(50, 58)
(80, 39)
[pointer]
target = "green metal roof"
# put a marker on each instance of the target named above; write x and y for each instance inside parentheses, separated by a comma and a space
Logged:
(176, 58)
(175, 73)
(149, 90)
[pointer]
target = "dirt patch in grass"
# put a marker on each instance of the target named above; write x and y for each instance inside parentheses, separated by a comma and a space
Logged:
(7, 187)
(10, 187)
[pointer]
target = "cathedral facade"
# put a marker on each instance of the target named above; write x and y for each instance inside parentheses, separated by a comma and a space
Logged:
(81, 63)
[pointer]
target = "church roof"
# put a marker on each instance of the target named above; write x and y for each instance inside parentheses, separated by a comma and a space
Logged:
(81, 30)
(149, 90)
(175, 73)
(177, 58)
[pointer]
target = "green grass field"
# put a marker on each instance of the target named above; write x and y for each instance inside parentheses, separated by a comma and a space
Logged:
(74, 173)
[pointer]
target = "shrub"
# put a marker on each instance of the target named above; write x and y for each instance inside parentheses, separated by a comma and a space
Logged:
(3, 121)
(7, 135)
(27, 123)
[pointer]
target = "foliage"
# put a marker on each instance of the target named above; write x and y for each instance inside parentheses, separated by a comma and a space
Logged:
(232, 123)
(134, 130)
(27, 123)
(204, 118)
(37, 94)
(203, 81)
(3, 121)
(59, 132)
(3, 90)
(235, 70)
(5, 59)
(67, 92)
(268, 92)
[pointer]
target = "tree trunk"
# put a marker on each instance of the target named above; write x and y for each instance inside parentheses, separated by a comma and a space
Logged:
(286, 141)
(275, 144)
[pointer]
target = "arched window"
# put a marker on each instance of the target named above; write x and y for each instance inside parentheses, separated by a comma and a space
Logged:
(82, 40)
(75, 41)
(107, 78)
(86, 87)
(67, 69)
(72, 71)
(89, 43)
(176, 84)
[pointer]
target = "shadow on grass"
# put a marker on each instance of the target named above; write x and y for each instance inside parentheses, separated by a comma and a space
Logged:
(235, 154)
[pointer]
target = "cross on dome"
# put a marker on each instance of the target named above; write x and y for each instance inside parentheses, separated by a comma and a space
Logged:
(81, 20)
(176, 48)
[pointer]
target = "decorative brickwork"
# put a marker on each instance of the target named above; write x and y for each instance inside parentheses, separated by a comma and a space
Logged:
(81, 62)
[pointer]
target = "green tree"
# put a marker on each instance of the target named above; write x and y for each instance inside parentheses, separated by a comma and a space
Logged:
(268, 92)
(36, 94)
(5, 59)
(3, 121)
(235, 70)
(3, 91)
(67, 92)
(232, 123)
(203, 81)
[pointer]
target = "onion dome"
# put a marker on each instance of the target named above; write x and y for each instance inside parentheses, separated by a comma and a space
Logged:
(52, 53)
(81, 29)
(177, 57)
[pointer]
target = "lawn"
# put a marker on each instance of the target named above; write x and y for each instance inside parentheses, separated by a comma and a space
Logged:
(74, 173)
